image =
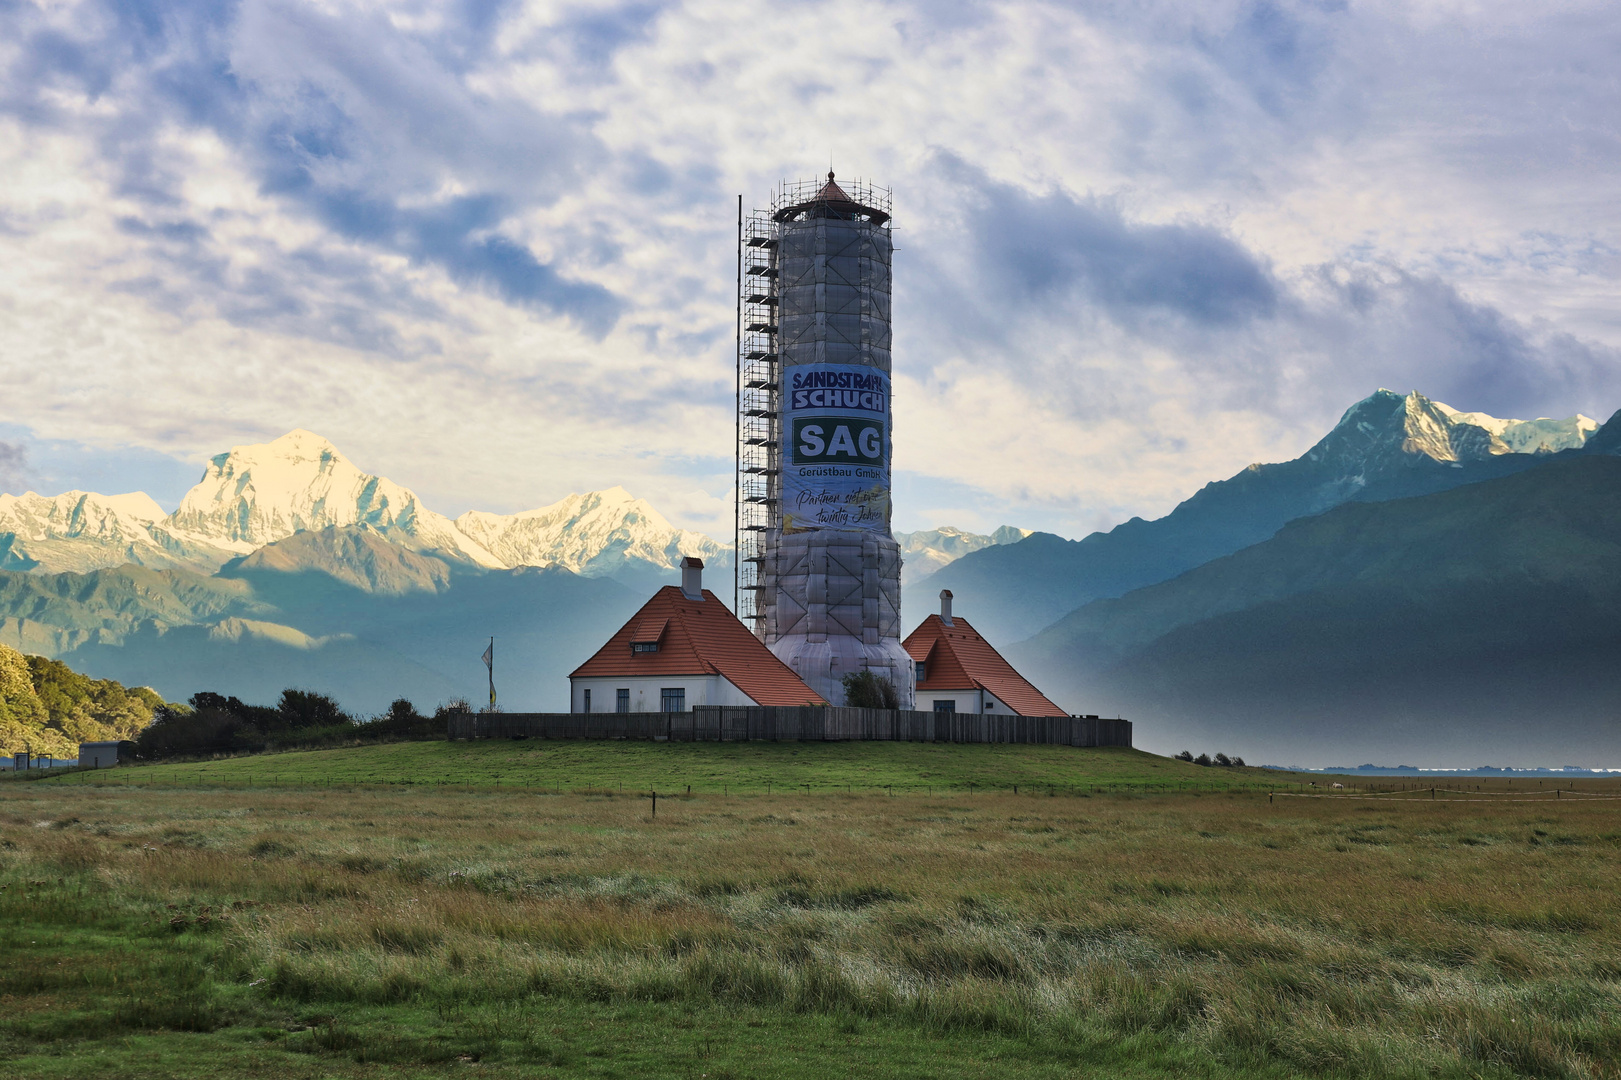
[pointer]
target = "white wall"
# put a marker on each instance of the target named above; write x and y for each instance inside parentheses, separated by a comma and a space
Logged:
(968, 701)
(98, 755)
(646, 693)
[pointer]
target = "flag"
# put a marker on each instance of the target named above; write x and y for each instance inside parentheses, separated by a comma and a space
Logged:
(489, 662)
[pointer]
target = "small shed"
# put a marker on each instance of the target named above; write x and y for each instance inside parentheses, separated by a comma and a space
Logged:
(104, 755)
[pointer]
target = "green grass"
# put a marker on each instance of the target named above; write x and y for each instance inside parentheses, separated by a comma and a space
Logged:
(709, 768)
(391, 930)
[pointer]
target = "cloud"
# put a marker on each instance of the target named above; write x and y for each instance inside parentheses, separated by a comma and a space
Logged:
(341, 116)
(1030, 250)
(13, 467)
(487, 245)
(1401, 330)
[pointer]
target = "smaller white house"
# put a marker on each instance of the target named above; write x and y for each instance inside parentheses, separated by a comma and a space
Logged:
(960, 672)
(684, 649)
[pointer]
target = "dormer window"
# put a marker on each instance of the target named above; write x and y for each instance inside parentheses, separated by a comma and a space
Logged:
(922, 672)
(647, 635)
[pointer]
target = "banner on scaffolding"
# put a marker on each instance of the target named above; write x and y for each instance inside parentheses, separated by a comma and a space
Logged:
(835, 470)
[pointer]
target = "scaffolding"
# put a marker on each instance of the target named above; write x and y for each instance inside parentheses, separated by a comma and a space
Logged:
(759, 461)
(758, 512)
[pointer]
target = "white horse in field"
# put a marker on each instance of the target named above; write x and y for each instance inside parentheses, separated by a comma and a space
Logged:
(1339, 785)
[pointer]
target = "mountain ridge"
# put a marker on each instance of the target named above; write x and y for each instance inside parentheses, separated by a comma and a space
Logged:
(260, 494)
(1385, 446)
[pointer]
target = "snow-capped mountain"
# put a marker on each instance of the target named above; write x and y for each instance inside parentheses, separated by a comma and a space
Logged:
(1386, 430)
(927, 550)
(257, 495)
(1539, 436)
(264, 493)
(595, 534)
(79, 530)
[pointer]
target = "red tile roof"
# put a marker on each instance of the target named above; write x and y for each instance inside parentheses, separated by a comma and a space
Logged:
(697, 639)
(955, 657)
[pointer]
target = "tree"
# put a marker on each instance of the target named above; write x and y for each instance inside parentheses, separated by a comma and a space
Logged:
(1223, 760)
(257, 717)
(22, 714)
(48, 709)
(176, 730)
(1202, 759)
(401, 720)
(865, 690)
(1239, 762)
(307, 709)
(1184, 756)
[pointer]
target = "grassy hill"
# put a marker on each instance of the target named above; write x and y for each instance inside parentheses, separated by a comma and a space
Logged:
(709, 768)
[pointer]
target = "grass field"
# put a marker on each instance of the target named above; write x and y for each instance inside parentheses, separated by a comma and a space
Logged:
(413, 930)
(723, 768)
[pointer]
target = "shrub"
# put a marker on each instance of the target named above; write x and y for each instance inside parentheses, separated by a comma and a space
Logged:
(451, 708)
(219, 724)
(1202, 759)
(865, 690)
(175, 730)
(1223, 760)
(401, 721)
(306, 709)
(1184, 756)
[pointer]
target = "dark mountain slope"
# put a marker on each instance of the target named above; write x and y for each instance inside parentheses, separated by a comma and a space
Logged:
(341, 611)
(1483, 619)
(1385, 447)
(352, 555)
(50, 614)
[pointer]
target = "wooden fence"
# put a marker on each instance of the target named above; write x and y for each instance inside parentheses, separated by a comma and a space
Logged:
(716, 723)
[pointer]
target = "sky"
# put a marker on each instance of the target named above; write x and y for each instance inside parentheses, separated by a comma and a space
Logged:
(488, 248)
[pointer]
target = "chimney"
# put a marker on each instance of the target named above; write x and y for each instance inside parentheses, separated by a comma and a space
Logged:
(692, 578)
(945, 607)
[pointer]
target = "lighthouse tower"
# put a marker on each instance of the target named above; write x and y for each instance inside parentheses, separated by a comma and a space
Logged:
(818, 570)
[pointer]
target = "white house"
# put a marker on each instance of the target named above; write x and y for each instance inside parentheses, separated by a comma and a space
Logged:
(959, 671)
(684, 648)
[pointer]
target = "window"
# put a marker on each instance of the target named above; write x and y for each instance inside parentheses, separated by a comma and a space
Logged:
(922, 672)
(587, 707)
(949, 705)
(644, 646)
(673, 699)
(622, 699)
